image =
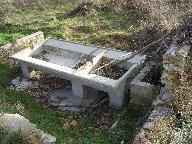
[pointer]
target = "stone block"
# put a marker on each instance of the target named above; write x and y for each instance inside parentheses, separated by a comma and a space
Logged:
(142, 92)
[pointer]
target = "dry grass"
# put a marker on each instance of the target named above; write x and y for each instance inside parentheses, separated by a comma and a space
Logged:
(162, 13)
(161, 133)
(183, 93)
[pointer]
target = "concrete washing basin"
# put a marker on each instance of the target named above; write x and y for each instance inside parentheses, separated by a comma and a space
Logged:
(62, 58)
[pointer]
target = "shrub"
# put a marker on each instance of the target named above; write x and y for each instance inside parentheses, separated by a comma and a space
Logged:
(158, 12)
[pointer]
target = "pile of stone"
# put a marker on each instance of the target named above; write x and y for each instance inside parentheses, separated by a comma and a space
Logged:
(22, 84)
(161, 110)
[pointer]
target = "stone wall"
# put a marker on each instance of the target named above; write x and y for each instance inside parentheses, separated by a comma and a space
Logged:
(159, 126)
(174, 61)
(31, 40)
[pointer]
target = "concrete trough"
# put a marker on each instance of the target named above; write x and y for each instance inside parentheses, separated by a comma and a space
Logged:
(60, 58)
(143, 88)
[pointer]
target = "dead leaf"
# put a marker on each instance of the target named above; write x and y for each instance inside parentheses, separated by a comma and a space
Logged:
(64, 113)
(103, 120)
(66, 126)
(73, 123)
(96, 129)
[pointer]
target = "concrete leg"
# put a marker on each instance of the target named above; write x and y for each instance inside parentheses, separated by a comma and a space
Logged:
(25, 70)
(90, 95)
(77, 88)
(116, 98)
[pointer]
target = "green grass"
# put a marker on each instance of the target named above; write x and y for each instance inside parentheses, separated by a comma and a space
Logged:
(6, 73)
(83, 29)
(53, 122)
(7, 137)
(90, 29)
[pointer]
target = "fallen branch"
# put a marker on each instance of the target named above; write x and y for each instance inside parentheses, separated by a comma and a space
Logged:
(89, 66)
(120, 60)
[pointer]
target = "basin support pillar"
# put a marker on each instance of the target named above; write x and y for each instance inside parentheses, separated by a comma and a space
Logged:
(87, 94)
(116, 98)
(25, 70)
(77, 88)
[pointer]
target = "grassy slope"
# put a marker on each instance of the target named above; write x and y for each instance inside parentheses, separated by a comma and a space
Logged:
(84, 29)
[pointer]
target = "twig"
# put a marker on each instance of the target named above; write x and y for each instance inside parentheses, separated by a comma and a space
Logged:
(117, 121)
(88, 106)
(113, 126)
(99, 103)
(159, 48)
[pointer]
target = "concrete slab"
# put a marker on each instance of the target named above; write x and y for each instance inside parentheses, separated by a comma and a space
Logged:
(65, 97)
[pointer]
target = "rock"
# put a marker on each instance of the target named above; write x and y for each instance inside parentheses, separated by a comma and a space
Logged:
(48, 139)
(73, 123)
(22, 86)
(142, 134)
(72, 109)
(24, 80)
(158, 102)
(171, 51)
(164, 111)
(18, 123)
(32, 74)
(66, 101)
(15, 81)
(66, 126)
(149, 125)
(141, 138)
(154, 114)
(60, 94)
(166, 97)
(33, 84)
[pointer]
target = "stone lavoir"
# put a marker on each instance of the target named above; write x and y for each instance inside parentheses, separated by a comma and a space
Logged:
(69, 60)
